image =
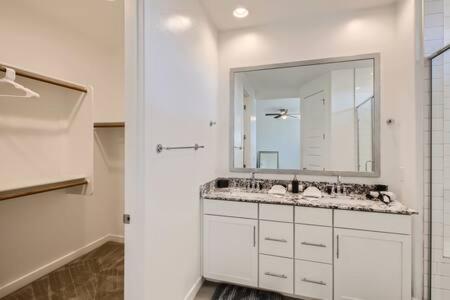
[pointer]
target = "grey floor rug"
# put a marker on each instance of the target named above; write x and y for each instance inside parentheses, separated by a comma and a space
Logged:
(231, 292)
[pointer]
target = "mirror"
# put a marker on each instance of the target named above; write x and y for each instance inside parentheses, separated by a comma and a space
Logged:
(313, 117)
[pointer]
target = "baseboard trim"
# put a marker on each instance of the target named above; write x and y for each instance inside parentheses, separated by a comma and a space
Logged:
(116, 238)
(194, 289)
(57, 263)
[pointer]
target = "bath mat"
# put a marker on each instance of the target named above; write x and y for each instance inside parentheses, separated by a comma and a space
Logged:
(231, 292)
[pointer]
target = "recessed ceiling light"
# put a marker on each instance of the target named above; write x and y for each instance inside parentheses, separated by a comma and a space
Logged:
(240, 12)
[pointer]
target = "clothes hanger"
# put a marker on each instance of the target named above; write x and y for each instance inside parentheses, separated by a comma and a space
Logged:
(10, 78)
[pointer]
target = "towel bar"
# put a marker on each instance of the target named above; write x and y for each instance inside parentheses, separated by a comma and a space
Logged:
(160, 148)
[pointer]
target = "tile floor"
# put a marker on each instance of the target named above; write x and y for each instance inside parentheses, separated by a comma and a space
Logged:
(97, 275)
(206, 291)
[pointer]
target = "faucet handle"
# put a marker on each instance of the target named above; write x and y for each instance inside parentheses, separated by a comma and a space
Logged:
(329, 188)
(345, 189)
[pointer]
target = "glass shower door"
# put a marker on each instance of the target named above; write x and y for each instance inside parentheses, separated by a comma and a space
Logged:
(438, 248)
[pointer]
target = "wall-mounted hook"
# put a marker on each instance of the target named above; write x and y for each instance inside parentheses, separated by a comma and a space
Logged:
(212, 123)
(390, 122)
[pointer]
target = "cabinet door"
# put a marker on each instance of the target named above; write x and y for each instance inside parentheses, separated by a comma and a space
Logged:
(230, 250)
(371, 265)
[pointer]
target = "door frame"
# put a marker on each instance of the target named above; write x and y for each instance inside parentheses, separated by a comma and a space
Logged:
(136, 144)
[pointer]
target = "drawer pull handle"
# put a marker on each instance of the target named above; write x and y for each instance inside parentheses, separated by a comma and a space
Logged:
(313, 281)
(314, 245)
(275, 240)
(276, 275)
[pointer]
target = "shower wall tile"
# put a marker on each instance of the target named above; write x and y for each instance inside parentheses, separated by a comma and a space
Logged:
(436, 35)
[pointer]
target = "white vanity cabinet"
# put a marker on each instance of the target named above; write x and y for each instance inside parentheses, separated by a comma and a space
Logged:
(373, 263)
(230, 242)
(308, 253)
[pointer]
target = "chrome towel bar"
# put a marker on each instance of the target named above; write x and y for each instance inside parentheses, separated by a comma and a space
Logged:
(160, 148)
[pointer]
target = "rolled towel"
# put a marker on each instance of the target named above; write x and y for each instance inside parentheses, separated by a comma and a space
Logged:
(277, 190)
(385, 197)
(312, 192)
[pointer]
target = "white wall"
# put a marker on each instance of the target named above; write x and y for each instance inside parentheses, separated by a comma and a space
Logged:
(36, 230)
(333, 36)
(277, 134)
(179, 100)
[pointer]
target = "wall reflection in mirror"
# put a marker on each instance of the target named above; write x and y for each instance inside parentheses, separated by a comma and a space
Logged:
(318, 117)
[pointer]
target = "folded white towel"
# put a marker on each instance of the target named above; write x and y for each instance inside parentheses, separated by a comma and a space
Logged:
(277, 190)
(312, 192)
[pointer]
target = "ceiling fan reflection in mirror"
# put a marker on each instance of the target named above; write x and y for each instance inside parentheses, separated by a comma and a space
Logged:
(283, 114)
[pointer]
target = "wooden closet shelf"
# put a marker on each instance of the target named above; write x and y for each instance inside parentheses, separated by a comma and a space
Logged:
(41, 188)
(109, 125)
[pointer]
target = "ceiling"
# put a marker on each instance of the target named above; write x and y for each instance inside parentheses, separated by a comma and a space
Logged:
(286, 82)
(268, 11)
(100, 20)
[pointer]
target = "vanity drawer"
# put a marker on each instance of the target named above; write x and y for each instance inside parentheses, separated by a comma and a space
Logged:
(273, 212)
(314, 216)
(230, 209)
(276, 273)
(382, 222)
(276, 238)
(313, 280)
(314, 243)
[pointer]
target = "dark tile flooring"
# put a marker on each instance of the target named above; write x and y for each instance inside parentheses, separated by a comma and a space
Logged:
(97, 275)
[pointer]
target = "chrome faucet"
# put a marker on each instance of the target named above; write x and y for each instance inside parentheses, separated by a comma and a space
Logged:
(338, 185)
(253, 183)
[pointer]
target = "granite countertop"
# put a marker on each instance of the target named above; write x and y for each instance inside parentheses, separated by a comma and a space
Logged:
(355, 202)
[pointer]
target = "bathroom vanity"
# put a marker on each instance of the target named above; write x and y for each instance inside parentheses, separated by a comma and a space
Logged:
(339, 247)
(321, 118)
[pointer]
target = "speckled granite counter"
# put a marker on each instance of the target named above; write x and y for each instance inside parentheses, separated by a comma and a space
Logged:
(355, 203)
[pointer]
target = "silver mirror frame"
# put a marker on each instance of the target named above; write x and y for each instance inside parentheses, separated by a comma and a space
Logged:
(376, 130)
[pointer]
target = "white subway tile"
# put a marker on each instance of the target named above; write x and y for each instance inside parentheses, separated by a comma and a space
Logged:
(434, 20)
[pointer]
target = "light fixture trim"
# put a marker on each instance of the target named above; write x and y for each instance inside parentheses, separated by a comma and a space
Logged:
(240, 12)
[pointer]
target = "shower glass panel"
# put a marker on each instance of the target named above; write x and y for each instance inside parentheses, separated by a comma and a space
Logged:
(439, 177)
(364, 117)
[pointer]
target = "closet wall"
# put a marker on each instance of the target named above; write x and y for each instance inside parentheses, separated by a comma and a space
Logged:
(81, 42)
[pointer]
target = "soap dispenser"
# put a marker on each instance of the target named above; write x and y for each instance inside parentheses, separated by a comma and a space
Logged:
(295, 185)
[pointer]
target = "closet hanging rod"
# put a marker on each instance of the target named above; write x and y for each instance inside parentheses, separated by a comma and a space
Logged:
(160, 148)
(46, 79)
(41, 188)
(109, 125)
